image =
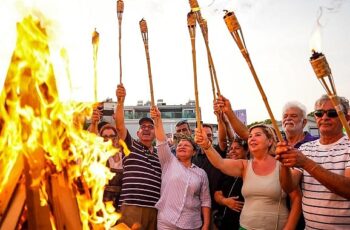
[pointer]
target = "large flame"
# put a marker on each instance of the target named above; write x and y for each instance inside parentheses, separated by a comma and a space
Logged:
(49, 134)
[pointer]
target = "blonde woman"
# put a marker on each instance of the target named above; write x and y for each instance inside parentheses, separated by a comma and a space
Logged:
(265, 201)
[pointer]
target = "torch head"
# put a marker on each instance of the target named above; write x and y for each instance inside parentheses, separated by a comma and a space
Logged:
(120, 6)
(143, 26)
(231, 21)
(194, 5)
(320, 65)
(191, 19)
(95, 37)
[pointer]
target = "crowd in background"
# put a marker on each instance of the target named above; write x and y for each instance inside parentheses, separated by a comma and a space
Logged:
(248, 180)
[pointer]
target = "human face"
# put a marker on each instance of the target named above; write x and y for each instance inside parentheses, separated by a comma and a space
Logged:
(236, 151)
(258, 141)
(183, 129)
(146, 132)
(184, 150)
(109, 134)
(209, 133)
(293, 121)
(328, 126)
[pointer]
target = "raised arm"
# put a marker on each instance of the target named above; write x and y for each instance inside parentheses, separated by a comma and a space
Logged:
(236, 124)
(158, 124)
(119, 112)
(222, 129)
(227, 166)
(95, 118)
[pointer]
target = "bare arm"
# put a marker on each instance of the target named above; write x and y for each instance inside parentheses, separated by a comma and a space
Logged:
(236, 124)
(222, 131)
(295, 211)
(95, 118)
(231, 202)
(227, 166)
(119, 112)
(206, 218)
(336, 183)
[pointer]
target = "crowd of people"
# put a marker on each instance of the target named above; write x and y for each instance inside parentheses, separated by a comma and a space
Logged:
(248, 180)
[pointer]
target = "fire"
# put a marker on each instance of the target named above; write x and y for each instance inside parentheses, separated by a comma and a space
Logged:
(44, 139)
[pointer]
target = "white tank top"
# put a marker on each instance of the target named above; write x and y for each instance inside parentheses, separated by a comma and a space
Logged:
(262, 196)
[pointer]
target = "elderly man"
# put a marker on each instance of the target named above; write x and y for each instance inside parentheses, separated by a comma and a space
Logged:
(323, 168)
(142, 171)
(293, 122)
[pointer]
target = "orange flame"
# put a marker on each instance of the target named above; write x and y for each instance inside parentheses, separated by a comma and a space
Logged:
(33, 121)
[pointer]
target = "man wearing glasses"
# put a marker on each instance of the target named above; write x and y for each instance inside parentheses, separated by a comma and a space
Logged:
(323, 166)
(142, 171)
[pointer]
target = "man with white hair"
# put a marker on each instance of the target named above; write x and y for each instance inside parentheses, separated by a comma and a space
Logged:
(293, 123)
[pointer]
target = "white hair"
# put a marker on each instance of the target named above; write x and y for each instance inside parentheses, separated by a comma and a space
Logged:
(344, 103)
(295, 104)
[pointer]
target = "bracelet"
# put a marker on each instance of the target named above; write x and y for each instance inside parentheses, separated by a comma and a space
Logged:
(207, 146)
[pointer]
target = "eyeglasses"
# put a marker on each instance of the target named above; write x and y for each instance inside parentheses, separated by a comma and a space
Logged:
(331, 113)
(143, 127)
(107, 137)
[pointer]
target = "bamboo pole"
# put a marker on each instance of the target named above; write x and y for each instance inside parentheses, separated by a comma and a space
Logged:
(204, 29)
(323, 71)
(95, 43)
(120, 10)
(144, 33)
(191, 24)
(236, 32)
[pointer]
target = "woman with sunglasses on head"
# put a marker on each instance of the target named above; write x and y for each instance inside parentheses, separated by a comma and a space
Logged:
(184, 198)
(265, 200)
(228, 195)
(113, 188)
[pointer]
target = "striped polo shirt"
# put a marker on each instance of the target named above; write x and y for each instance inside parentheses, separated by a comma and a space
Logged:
(323, 209)
(142, 175)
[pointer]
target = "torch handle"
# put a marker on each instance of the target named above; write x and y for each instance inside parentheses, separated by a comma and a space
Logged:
(120, 50)
(149, 72)
(95, 48)
(194, 63)
(340, 113)
(263, 95)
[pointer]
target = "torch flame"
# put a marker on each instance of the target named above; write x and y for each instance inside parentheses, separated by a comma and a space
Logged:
(48, 134)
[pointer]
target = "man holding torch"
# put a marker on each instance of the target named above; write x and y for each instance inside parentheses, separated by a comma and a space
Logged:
(142, 171)
(323, 166)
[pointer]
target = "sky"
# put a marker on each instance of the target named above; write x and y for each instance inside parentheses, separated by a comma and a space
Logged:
(277, 33)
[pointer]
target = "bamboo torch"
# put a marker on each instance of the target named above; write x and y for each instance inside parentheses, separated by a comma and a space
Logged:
(236, 32)
(191, 24)
(204, 28)
(120, 10)
(144, 33)
(95, 42)
(323, 71)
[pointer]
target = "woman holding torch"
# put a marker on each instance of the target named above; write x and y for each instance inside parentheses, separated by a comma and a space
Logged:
(185, 197)
(263, 190)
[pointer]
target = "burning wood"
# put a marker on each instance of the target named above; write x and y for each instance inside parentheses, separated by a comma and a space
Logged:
(323, 71)
(42, 141)
(236, 32)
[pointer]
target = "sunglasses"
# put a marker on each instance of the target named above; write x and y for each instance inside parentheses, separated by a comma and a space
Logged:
(331, 113)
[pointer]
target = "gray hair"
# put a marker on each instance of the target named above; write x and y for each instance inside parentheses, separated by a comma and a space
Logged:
(295, 104)
(344, 103)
